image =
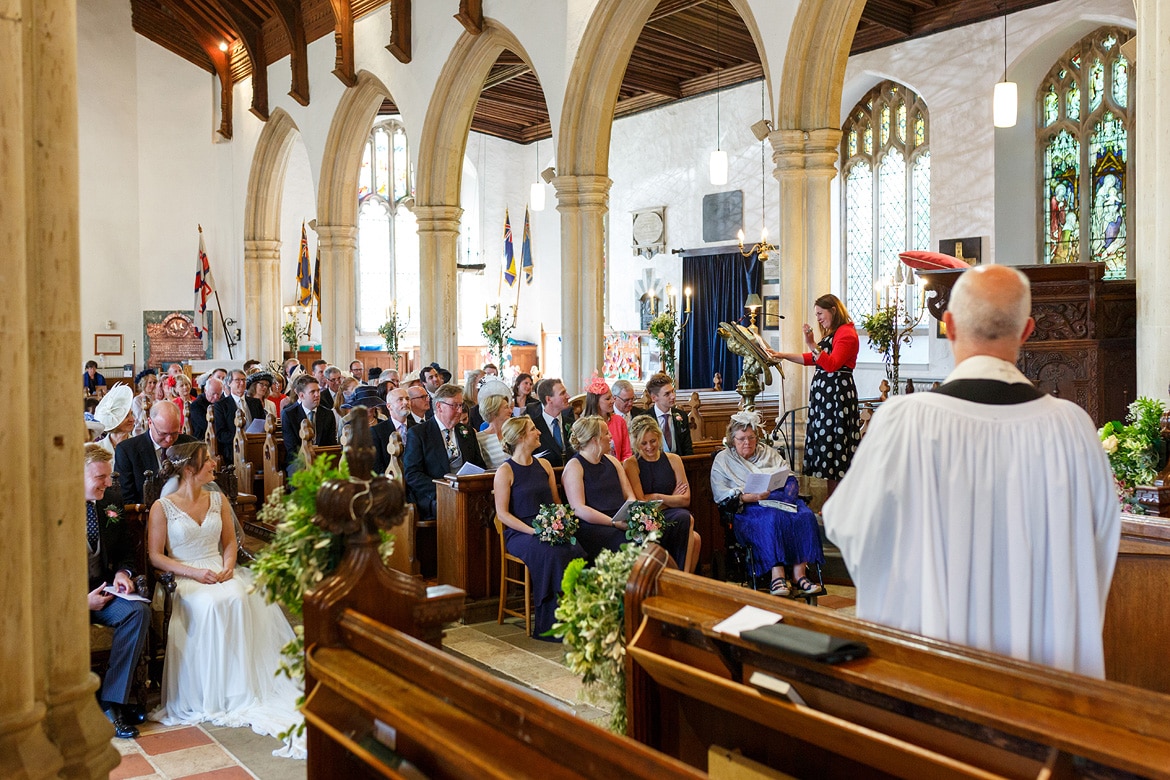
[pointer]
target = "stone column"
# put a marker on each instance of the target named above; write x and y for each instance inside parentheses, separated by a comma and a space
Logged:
(1151, 168)
(438, 233)
(338, 246)
(265, 312)
(805, 166)
(49, 719)
(583, 202)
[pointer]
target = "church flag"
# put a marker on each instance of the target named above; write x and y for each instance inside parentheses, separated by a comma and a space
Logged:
(304, 278)
(204, 286)
(509, 258)
(317, 282)
(526, 251)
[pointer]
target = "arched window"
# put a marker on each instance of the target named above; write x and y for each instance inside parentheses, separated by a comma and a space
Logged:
(387, 250)
(1083, 142)
(885, 164)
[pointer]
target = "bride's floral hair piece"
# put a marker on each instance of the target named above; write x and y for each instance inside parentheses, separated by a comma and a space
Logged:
(180, 456)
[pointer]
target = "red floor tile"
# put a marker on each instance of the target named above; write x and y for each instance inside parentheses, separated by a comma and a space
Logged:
(227, 773)
(133, 765)
(168, 741)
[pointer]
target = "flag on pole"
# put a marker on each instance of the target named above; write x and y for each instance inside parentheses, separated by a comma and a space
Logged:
(317, 282)
(204, 286)
(526, 251)
(304, 278)
(509, 258)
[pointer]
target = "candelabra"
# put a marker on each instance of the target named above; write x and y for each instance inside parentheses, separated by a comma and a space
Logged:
(894, 322)
(762, 249)
(667, 328)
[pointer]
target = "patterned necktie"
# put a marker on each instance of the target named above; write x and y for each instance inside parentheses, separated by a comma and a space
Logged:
(452, 449)
(666, 433)
(91, 524)
(556, 432)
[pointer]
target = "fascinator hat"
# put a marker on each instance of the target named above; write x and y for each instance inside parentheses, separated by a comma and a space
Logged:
(597, 386)
(747, 418)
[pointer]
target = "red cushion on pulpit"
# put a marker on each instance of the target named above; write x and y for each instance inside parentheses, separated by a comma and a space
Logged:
(931, 261)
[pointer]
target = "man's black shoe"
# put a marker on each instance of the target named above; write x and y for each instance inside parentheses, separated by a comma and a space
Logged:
(122, 729)
(133, 714)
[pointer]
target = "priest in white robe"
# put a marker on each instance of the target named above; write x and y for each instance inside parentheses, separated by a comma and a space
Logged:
(984, 513)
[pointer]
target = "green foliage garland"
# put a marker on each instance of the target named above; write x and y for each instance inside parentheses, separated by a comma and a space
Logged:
(663, 329)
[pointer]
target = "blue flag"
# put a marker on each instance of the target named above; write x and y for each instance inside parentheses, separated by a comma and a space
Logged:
(526, 251)
(509, 258)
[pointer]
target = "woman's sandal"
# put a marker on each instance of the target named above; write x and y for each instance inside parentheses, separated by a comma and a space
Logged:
(807, 587)
(780, 587)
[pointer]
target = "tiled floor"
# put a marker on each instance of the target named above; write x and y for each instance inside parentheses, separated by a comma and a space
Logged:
(219, 753)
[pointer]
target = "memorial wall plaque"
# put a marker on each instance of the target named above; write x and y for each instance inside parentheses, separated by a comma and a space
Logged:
(169, 336)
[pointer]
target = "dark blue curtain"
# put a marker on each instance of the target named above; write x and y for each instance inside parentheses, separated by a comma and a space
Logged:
(721, 283)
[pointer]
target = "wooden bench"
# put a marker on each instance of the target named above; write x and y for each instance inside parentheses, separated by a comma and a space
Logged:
(1137, 615)
(384, 701)
(913, 707)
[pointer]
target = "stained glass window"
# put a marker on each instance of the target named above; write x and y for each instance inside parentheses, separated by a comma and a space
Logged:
(886, 191)
(384, 185)
(1051, 108)
(1084, 186)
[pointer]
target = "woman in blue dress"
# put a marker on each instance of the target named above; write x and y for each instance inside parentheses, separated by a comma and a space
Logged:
(522, 484)
(780, 530)
(659, 476)
(596, 487)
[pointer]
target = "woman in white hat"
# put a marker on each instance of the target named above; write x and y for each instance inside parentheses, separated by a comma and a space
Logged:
(116, 416)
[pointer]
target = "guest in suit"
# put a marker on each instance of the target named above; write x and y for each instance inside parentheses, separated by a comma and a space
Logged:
(420, 403)
(674, 422)
(357, 369)
(623, 400)
(142, 453)
(225, 413)
(308, 393)
(111, 561)
(331, 388)
(554, 420)
(400, 421)
(212, 392)
(439, 446)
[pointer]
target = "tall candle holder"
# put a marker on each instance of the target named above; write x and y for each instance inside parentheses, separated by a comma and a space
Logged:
(667, 329)
(892, 324)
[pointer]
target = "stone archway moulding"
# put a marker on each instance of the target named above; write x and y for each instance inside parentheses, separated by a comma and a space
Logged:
(440, 170)
(337, 212)
(262, 235)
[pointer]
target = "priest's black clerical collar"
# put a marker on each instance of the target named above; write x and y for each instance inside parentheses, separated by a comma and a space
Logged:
(989, 391)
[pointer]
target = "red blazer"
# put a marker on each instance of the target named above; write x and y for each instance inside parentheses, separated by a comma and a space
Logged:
(843, 353)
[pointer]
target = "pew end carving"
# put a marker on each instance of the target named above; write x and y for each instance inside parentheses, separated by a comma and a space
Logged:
(273, 474)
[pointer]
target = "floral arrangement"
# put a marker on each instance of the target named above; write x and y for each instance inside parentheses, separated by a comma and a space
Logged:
(496, 330)
(301, 554)
(556, 524)
(645, 521)
(392, 331)
(663, 329)
(590, 620)
(290, 334)
(1134, 449)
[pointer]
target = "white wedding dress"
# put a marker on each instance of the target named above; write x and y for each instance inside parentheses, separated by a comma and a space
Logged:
(224, 641)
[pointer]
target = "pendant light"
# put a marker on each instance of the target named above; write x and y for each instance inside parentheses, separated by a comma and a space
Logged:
(536, 193)
(718, 157)
(1005, 98)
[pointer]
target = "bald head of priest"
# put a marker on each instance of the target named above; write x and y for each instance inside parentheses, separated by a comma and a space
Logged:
(984, 513)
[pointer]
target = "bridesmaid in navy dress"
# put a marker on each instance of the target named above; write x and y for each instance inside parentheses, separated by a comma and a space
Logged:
(659, 476)
(522, 484)
(596, 487)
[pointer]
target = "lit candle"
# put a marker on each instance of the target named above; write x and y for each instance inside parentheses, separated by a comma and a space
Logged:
(687, 293)
(740, 234)
(763, 235)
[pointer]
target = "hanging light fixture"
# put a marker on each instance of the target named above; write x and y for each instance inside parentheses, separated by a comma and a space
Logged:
(761, 129)
(536, 193)
(1005, 98)
(718, 157)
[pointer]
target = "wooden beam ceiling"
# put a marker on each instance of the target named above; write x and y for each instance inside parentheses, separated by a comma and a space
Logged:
(686, 48)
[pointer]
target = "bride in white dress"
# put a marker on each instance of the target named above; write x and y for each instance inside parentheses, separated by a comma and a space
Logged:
(224, 641)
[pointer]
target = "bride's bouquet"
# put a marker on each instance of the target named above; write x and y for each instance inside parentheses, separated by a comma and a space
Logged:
(556, 524)
(644, 518)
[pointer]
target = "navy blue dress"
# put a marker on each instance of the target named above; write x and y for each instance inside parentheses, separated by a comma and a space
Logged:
(658, 477)
(546, 562)
(603, 492)
(777, 537)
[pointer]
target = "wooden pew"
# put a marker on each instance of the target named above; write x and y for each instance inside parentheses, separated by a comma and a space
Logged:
(469, 553)
(384, 701)
(913, 707)
(1137, 615)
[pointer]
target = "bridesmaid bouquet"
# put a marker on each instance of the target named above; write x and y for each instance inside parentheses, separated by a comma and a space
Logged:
(556, 524)
(643, 519)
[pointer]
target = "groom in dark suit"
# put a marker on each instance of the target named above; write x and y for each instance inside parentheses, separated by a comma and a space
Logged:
(554, 420)
(144, 452)
(110, 555)
(439, 446)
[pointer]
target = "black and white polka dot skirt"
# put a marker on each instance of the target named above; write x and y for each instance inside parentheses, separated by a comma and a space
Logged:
(834, 427)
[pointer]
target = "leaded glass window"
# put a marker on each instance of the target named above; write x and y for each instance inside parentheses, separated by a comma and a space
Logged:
(1084, 154)
(886, 191)
(385, 226)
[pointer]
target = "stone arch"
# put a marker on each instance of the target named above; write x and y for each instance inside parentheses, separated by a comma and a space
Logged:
(814, 65)
(262, 234)
(442, 147)
(337, 213)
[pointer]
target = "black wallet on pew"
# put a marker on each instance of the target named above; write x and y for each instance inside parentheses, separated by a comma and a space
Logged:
(806, 644)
